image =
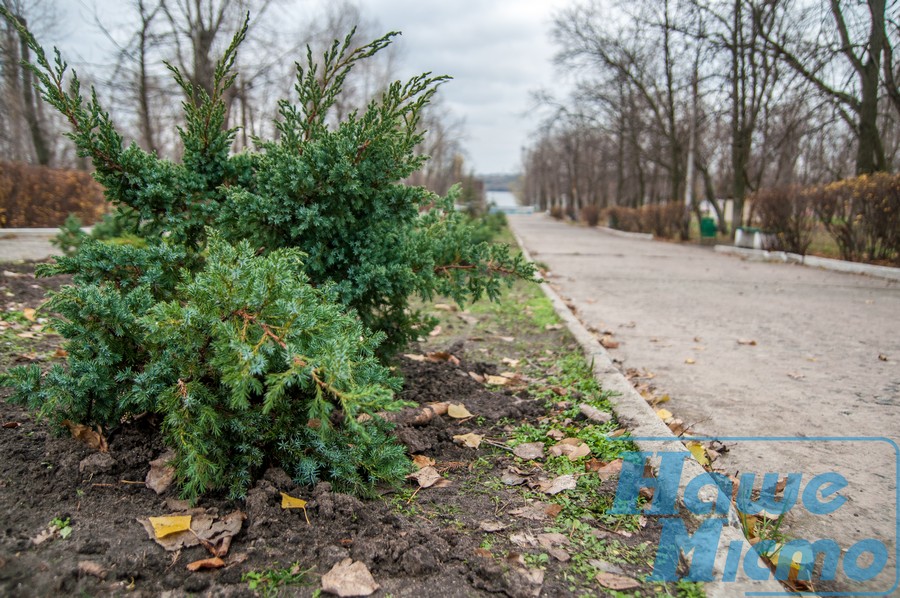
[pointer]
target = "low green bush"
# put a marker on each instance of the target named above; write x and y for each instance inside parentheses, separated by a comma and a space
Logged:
(249, 313)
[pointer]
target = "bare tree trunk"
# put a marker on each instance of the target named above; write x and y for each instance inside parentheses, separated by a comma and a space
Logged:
(38, 137)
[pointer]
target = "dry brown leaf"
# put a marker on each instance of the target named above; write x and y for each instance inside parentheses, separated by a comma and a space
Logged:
(617, 433)
(610, 469)
(491, 526)
(440, 356)
(573, 448)
(746, 341)
(507, 339)
(349, 578)
(796, 376)
(439, 408)
(882, 357)
(512, 479)
(413, 357)
(211, 563)
(690, 361)
(28, 312)
(458, 411)
(594, 414)
(608, 342)
(477, 377)
(559, 391)
(614, 581)
(553, 326)
(445, 307)
(92, 568)
(161, 474)
(510, 362)
(60, 354)
(426, 477)
(557, 485)
(470, 440)
(421, 461)
(529, 451)
(496, 380)
(435, 331)
(10, 425)
(549, 540)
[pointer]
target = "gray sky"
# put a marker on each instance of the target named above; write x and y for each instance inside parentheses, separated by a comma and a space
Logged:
(497, 51)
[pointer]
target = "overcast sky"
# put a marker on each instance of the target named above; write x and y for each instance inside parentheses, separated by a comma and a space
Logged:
(497, 51)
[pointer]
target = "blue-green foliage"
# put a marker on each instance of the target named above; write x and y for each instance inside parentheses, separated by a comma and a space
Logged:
(250, 354)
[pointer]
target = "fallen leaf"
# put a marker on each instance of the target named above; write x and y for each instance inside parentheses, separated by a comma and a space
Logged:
(491, 526)
(523, 540)
(170, 524)
(664, 414)
(559, 554)
(496, 380)
(510, 362)
(91, 568)
(796, 376)
(573, 448)
(435, 331)
(537, 511)
(612, 468)
(560, 391)
(204, 527)
(483, 553)
(471, 320)
(699, 452)
(608, 342)
(614, 581)
(213, 563)
(512, 479)
(413, 357)
(28, 312)
(11, 425)
(161, 474)
(439, 408)
(458, 411)
(290, 502)
(529, 451)
(882, 357)
(617, 433)
(426, 477)
(477, 377)
(557, 485)
(553, 326)
(556, 434)
(690, 361)
(93, 439)
(349, 578)
(677, 426)
(421, 461)
(747, 341)
(507, 339)
(553, 510)
(439, 356)
(470, 440)
(445, 307)
(550, 540)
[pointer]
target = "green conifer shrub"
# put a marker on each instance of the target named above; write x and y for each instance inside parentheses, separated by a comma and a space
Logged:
(249, 355)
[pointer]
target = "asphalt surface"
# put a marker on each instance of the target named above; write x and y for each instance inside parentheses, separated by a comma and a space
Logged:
(779, 358)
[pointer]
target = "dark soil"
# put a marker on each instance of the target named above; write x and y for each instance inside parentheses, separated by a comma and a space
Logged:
(426, 544)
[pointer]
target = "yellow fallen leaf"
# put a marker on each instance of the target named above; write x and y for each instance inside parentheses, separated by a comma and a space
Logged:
(421, 461)
(470, 440)
(699, 452)
(28, 312)
(664, 414)
(689, 361)
(496, 380)
(458, 411)
(413, 357)
(289, 502)
(170, 524)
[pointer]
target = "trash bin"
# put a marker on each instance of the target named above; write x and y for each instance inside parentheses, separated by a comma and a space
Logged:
(708, 228)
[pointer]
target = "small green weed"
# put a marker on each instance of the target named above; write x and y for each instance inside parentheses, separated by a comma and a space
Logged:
(269, 581)
(63, 526)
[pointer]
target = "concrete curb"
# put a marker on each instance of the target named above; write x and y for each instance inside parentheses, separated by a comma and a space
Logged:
(624, 234)
(812, 261)
(633, 412)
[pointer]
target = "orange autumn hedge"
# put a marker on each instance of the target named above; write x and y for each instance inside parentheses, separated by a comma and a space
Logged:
(38, 196)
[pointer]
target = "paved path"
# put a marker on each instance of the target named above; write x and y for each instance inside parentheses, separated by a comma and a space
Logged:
(26, 244)
(814, 370)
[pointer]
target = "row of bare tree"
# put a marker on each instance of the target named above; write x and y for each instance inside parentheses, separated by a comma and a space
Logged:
(190, 35)
(678, 99)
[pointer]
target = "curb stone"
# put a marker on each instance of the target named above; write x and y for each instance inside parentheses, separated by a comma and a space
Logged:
(763, 255)
(633, 412)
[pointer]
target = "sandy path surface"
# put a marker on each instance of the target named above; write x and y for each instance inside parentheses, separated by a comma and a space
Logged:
(26, 244)
(814, 371)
